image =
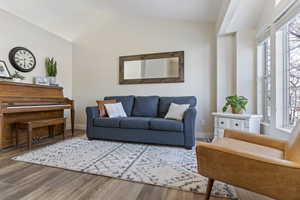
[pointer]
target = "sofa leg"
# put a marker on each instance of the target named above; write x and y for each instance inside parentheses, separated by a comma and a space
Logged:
(90, 138)
(189, 148)
(209, 188)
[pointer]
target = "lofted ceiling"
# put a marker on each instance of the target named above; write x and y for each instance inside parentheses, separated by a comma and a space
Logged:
(242, 15)
(67, 18)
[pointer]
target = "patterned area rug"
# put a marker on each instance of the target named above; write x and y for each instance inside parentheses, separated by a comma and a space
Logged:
(170, 167)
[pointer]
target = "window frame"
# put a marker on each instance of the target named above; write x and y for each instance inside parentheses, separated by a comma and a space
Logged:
(265, 43)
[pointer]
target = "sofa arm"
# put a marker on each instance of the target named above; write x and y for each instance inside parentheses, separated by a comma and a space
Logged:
(91, 114)
(189, 119)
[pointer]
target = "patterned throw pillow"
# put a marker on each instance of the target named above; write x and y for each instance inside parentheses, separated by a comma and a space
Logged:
(115, 110)
(176, 111)
(101, 106)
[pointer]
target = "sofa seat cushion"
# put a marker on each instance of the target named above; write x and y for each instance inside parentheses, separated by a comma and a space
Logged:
(107, 122)
(135, 122)
(145, 106)
(166, 125)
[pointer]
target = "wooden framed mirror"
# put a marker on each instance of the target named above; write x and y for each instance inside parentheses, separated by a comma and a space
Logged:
(165, 67)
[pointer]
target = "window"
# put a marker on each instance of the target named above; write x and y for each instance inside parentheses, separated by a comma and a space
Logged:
(291, 40)
(266, 50)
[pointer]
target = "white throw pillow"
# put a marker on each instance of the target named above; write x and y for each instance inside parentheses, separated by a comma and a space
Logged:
(115, 110)
(176, 111)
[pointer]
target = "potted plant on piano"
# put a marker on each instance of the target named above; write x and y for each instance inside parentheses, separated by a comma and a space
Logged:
(51, 66)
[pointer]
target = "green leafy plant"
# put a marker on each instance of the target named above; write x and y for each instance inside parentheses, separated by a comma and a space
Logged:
(17, 75)
(51, 66)
(237, 103)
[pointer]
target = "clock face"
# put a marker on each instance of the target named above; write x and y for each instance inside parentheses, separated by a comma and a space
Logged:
(22, 59)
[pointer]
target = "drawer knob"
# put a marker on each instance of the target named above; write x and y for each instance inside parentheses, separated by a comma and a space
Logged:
(222, 122)
(236, 124)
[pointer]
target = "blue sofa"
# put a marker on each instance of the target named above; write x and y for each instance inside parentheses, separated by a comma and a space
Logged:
(145, 121)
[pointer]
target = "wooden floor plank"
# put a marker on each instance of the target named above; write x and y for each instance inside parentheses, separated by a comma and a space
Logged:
(19, 180)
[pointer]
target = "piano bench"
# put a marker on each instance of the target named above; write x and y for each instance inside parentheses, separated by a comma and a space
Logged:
(30, 125)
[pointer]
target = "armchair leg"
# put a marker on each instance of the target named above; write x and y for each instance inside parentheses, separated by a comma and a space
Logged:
(209, 188)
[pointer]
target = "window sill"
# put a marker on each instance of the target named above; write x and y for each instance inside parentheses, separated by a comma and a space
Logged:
(281, 133)
(265, 124)
(285, 130)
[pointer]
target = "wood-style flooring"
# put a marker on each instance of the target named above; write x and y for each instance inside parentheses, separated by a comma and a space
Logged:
(19, 180)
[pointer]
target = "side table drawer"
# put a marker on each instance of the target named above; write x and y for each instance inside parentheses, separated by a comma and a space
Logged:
(237, 124)
(222, 123)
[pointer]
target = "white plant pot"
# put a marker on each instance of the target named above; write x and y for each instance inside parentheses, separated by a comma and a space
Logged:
(51, 80)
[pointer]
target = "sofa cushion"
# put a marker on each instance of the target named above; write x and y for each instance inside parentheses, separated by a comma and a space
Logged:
(135, 122)
(176, 111)
(164, 103)
(127, 102)
(101, 107)
(145, 106)
(107, 122)
(115, 110)
(166, 125)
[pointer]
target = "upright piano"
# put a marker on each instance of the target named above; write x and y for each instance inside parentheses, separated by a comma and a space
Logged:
(21, 102)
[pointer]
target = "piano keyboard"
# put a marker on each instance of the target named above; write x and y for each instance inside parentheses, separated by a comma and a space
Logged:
(39, 106)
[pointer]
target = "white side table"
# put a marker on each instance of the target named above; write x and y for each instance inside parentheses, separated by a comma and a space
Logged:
(244, 122)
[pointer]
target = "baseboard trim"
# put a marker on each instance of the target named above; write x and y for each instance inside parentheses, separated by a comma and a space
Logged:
(80, 126)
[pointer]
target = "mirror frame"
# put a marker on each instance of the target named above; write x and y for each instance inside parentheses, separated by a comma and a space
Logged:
(179, 79)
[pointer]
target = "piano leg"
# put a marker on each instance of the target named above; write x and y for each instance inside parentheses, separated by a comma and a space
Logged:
(72, 120)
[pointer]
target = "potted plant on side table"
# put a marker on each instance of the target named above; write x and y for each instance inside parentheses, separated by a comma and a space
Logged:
(51, 66)
(237, 103)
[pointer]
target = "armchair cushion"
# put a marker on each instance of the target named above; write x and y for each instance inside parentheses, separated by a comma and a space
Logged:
(257, 139)
(249, 148)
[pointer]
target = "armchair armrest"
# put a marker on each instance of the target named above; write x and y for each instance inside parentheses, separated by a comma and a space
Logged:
(189, 118)
(257, 139)
(257, 173)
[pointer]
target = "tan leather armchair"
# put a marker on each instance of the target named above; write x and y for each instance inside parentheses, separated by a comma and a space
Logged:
(257, 163)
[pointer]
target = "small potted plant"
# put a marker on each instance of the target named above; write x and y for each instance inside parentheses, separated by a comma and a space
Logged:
(237, 103)
(51, 66)
(17, 77)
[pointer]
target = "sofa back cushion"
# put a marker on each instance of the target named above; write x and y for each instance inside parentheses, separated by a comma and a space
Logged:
(127, 102)
(164, 103)
(145, 106)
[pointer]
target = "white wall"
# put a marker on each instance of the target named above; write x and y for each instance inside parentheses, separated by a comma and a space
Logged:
(236, 68)
(96, 54)
(226, 69)
(246, 67)
(17, 32)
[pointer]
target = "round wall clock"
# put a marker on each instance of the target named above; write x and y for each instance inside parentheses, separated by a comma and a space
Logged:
(22, 59)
